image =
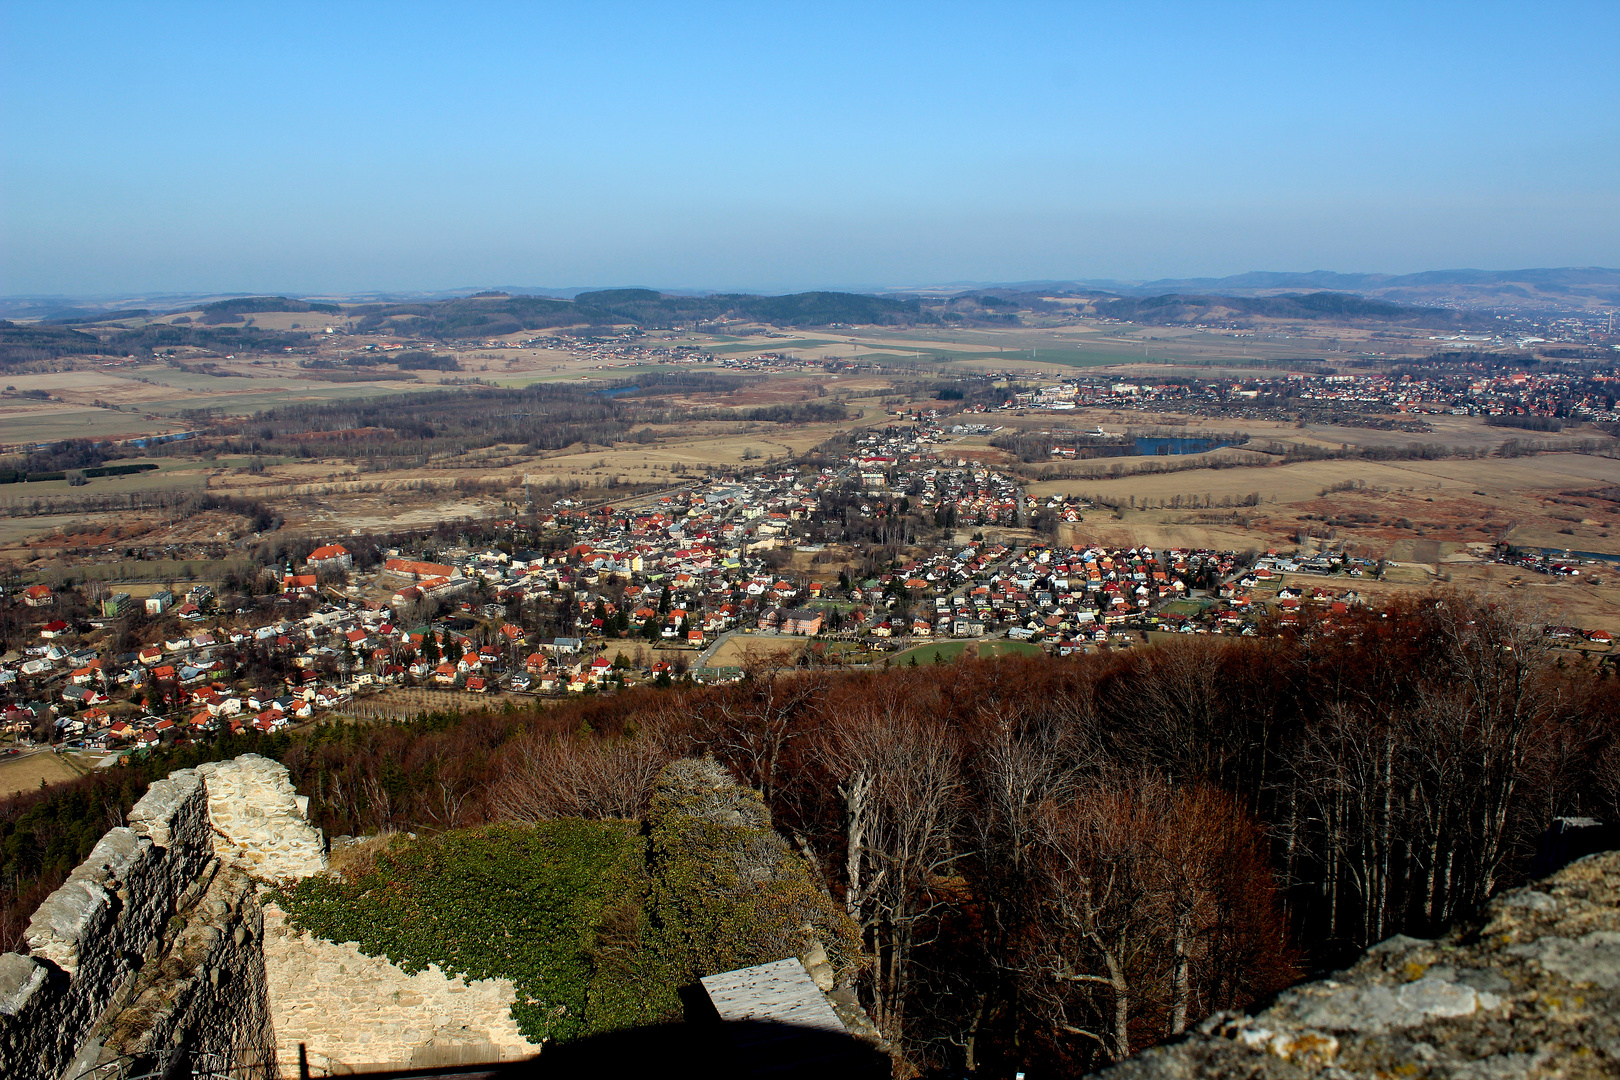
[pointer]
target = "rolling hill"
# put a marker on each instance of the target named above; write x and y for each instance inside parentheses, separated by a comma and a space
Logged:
(1547, 289)
(1173, 308)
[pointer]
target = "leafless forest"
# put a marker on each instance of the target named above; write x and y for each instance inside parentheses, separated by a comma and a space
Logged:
(1066, 860)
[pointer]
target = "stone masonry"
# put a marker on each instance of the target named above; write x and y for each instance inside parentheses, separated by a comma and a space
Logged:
(204, 995)
(89, 938)
(259, 821)
(159, 948)
(153, 946)
(1530, 991)
(348, 1009)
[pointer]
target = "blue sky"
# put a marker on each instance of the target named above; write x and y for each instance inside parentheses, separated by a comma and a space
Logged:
(352, 146)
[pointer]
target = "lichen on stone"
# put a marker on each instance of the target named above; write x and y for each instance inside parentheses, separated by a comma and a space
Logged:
(1531, 990)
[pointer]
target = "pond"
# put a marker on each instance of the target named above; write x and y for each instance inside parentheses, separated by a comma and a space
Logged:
(1172, 445)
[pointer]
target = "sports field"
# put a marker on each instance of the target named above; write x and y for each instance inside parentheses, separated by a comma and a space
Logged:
(948, 651)
(35, 769)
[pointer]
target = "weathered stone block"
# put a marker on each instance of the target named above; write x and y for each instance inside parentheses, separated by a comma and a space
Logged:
(1532, 993)
(258, 822)
(20, 979)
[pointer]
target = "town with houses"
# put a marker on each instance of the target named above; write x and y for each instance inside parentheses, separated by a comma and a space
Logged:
(588, 599)
(1556, 394)
(1582, 388)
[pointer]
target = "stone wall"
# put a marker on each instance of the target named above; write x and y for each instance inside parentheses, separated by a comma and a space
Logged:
(89, 938)
(1530, 991)
(158, 950)
(153, 946)
(203, 998)
(353, 1012)
(259, 820)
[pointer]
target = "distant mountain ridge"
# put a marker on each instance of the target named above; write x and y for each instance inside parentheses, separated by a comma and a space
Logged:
(1567, 288)
(1546, 289)
(1330, 279)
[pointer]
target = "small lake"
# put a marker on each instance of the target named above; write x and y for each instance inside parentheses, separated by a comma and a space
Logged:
(618, 391)
(1173, 445)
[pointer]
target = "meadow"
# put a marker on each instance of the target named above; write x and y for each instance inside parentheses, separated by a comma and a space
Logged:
(1307, 479)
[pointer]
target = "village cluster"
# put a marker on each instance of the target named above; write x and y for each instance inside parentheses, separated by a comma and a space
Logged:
(581, 599)
(1548, 395)
(565, 604)
(352, 632)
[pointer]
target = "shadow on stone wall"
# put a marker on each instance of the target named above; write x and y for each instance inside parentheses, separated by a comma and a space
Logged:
(716, 1051)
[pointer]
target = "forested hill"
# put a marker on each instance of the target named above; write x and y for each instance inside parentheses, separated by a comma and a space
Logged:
(222, 310)
(20, 344)
(226, 325)
(1342, 307)
(1545, 289)
(493, 315)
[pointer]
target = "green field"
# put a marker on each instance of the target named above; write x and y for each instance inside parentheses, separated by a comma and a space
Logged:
(83, 423)
(176, 378)
(991, 649)
(269, 397)
(1067, 357)
(947, 651)
(171, 474)
(577, 372)
(1114, 345)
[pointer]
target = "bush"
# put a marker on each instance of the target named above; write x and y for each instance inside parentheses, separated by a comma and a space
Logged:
(502, 901)
(726, 890)
(597, 923)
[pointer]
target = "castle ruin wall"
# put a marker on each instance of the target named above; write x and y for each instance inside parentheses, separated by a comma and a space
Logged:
(90, 937)
(153, 946)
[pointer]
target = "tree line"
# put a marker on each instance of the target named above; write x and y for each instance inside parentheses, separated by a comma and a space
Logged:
(412, 428)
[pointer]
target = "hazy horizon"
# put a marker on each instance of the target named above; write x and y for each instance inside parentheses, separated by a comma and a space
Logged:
(1101, 283)
(188, 148)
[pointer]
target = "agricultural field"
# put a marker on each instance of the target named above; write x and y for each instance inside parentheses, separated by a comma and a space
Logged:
(1063, 345)
(35, 769)
(1307, 480)
(1369, 505)
(36, 422)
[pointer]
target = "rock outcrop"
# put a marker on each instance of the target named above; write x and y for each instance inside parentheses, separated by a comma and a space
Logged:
(1531, 990)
